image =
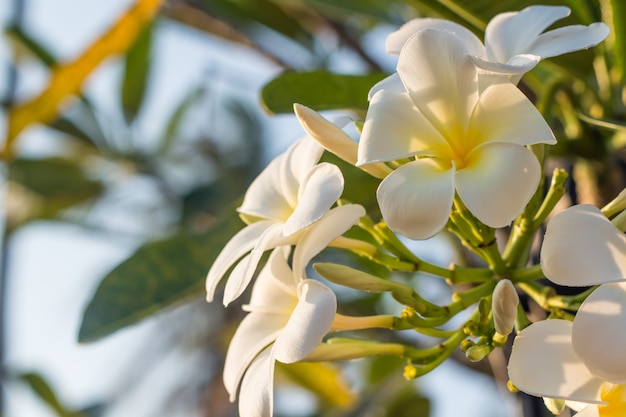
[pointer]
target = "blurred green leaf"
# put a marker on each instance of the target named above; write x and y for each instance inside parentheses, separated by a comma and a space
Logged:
(44, 391)
(156, 276)
(274, 15)
(136, 73)
(25, 42)
(382, 10)
(60, 183)
(320, 90)
(172, 128)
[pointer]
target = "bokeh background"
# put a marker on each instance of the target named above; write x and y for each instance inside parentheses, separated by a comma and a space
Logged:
(161, 141)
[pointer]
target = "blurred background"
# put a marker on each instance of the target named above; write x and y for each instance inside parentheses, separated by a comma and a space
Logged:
(120, 193)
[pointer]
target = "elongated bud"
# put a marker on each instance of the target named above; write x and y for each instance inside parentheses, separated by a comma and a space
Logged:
(334, 139)
(504, 307)
(616, 205)
(341, 349)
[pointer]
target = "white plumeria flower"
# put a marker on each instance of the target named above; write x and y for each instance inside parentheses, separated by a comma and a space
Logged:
(545, 362)
(292, 193)
(582, 248)
(514, 41)
(289, 315)
(456, 139)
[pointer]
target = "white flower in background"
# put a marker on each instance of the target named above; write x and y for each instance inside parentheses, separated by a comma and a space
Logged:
(289, 315)
(582, 248)
(514, 41)
(545, 362)
(450, 138)
(292, 193)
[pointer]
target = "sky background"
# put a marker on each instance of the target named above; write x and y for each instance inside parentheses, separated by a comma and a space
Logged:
(54, 267)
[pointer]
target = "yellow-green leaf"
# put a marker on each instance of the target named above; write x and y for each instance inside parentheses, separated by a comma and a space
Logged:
(324, 380)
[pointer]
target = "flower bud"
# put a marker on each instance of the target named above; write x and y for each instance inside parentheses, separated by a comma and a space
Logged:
(477, 352)
(504, 307)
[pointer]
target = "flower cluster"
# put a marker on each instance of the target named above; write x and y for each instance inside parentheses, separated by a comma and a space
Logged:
(456, 146)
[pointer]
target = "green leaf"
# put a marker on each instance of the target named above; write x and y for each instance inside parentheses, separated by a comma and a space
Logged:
(172, 127)
(25, 41)
(382, 10)
(320, 90)
(158, 275)
(60, 183)
(136, 73)
(246, 14)
(43, 390)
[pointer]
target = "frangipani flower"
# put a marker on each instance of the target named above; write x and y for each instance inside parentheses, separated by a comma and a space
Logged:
(291, 194)
(289, 315)
(582, 248)
(455, 139)
(545, 362)
(514, 41)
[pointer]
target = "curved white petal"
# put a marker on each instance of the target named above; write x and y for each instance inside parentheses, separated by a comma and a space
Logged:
(296, 163)
(581, 247)
(256, 398)
(589, 411)
(265, 197)
(397, 39)
(390, 83)
(568, 39)
(598, 335)
(255, 333)
(242, 275)
(519, 64)
(513, 33)
(416, 198)
(335, 223)
(327, 134)
(444, 86)
(497, 182)
(309, 322)
(274, 290)
(394, 128)
(544, 364)
(504, 114)
(318, 192)
(237, 246)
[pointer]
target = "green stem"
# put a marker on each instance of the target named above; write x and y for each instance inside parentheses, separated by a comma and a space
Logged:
(527, 274)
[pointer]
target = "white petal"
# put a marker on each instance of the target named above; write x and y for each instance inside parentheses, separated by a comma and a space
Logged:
(581, 247)
(274, 289)
(265, 198)
(255, 333)
(568, 39)
(416, 198)
(237, 246)
(498, 181)
(519, 64)
(309, 322)
(391, 83)
(513, 33)
(327, 134)
(298, 160)
(335, 223)
(397, 39)
(394, 128)
(544, 364)
(318, 192)
(256, 398)
(242, 275)
(504, 114)
(589, 411)
(598, 335)
(443, 86)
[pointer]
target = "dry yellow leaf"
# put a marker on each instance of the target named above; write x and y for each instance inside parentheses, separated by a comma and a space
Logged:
(67, 79)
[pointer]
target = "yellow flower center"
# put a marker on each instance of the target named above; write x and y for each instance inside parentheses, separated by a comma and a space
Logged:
(615, 396)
